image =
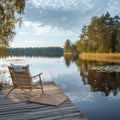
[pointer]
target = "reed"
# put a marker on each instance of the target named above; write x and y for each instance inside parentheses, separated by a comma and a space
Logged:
(107, 57)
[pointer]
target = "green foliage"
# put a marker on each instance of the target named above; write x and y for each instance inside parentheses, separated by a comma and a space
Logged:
(80, 46)
(101, 35)
(2, 51)
(69, 47)
(8, 11)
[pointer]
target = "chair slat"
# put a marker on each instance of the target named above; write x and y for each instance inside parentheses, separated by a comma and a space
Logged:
(22, 80)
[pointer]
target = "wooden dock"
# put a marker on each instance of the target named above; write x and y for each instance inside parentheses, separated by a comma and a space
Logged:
(16, 107)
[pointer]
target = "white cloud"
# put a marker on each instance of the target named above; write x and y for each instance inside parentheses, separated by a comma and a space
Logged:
(39, 29)
(27, 23)
(31, 24)
(36, 3)
(50, 31)
(113, 7)
(23, 33)
(66, 15)
(64, 4)
(61, 19)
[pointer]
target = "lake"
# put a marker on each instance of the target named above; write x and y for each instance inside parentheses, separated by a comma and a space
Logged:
(92, 86)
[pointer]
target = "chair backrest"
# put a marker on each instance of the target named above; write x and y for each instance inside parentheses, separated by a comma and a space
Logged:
(21, 79)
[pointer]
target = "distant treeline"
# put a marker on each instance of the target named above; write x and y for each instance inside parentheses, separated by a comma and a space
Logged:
(43, 51)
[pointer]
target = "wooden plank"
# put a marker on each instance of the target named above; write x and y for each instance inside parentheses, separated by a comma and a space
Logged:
(32, 106)
(23, 110)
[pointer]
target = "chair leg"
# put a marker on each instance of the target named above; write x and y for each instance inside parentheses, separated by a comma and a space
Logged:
(9, 91)
(41, 86)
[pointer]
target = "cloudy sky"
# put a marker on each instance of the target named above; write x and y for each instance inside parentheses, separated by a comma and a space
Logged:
(51, 22)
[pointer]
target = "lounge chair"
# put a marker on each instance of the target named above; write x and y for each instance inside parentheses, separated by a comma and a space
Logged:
(22, 78)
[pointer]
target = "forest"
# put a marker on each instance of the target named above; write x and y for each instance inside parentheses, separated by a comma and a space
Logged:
(102, 35)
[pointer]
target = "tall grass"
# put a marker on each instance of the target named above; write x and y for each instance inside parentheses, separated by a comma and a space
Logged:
(108, 57)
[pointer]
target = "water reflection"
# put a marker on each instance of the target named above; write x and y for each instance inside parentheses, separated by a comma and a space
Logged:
(70, 58)
(106, 82)
(86, 87)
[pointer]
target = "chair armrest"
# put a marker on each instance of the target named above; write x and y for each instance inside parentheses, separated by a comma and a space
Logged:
(37, 75)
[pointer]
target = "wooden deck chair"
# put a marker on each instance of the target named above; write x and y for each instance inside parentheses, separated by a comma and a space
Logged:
(22, 78)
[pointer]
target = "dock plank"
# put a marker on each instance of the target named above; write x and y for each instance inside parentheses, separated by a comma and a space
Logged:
(16, 106)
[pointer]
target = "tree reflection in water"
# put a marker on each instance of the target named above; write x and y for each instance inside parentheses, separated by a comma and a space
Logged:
(105, 82)
(70, 58)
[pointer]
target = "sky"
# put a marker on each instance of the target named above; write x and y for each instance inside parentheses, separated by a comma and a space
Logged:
(49, 23)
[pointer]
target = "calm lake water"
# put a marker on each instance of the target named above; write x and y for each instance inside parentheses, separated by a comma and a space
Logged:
(96, 94)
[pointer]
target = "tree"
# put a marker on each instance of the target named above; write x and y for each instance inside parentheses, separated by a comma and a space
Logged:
(84, 37)
(101, 35)
(115, 33)
(70, 48)
(8, 19)
(67, 46)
